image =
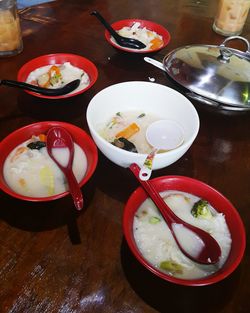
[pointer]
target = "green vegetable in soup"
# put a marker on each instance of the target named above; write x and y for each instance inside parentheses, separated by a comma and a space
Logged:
(154, 220)
(141, 115)
(115, 120)
(171, 267)
(55, 79)
(201, 210)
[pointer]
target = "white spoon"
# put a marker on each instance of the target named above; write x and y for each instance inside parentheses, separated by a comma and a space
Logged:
(155, 63)
(161, 135)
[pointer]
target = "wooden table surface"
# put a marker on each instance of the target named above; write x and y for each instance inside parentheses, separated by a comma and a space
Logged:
(54, 260)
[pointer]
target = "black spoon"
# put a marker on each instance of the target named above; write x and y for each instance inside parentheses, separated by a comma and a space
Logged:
(44, 91)
(122, 41)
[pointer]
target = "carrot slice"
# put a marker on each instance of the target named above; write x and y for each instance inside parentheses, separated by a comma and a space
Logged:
(56, 69)
(156, 43)
(18, 152)
(128, 131)
(42, 137)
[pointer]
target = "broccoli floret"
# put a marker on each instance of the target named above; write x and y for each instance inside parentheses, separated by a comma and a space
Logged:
(201, 209)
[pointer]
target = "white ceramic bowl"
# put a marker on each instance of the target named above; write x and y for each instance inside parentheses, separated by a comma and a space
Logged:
(147, 97)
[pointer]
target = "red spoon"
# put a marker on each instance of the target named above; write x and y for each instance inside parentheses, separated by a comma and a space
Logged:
(209, 250)
(59, 142)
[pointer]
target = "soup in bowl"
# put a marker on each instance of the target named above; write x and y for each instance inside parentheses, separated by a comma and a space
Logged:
(57, 69)
(121, 113)
(197, 203)
(28, 173)
(153, 35)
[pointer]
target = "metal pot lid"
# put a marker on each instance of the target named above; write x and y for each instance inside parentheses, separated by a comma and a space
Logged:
(219, 73)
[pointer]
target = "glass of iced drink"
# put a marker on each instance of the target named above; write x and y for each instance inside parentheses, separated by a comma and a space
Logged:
(231, 17)
(10, 32)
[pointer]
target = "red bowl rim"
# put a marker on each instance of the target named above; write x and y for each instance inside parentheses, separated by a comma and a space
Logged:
(159, 29)
(68, 126)
(45, 59)
(216, 277)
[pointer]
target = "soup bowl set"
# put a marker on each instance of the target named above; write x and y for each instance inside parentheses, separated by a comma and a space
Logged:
(79, 136)
(152, 98)
(147, 98)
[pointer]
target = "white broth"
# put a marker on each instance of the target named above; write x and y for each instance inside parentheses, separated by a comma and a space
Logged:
(58, 75)
(32, 173)
(157, 245)
(150, 38)
(123, 120)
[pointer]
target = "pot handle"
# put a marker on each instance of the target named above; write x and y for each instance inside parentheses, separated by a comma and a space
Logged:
(215, 104)
(223, 44)
(202, 99)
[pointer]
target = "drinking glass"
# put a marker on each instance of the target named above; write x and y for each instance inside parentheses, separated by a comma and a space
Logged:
(231, 17)
(10, 31)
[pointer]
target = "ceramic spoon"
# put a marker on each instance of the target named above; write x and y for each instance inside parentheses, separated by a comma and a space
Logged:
(44, 91)
(162, 135)
(122, 41)
(208, 251)
(155, 63)
(59, 142)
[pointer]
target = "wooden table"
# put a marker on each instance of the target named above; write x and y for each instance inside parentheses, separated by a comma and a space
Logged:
(53, 260)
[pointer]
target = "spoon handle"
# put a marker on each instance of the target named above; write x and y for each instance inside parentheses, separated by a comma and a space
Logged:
(155, 196)
(146, 169)
(45, 91)
(106, 25)
(210, 252)
(74, 190)
(155, 63)
(21, 85)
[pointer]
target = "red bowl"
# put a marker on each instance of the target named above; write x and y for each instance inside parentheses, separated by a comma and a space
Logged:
(58, 58)
(202, 190)
(22, 134)
(160, 30)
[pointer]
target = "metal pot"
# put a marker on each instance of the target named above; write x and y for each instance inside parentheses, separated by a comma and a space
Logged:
(217, 76)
